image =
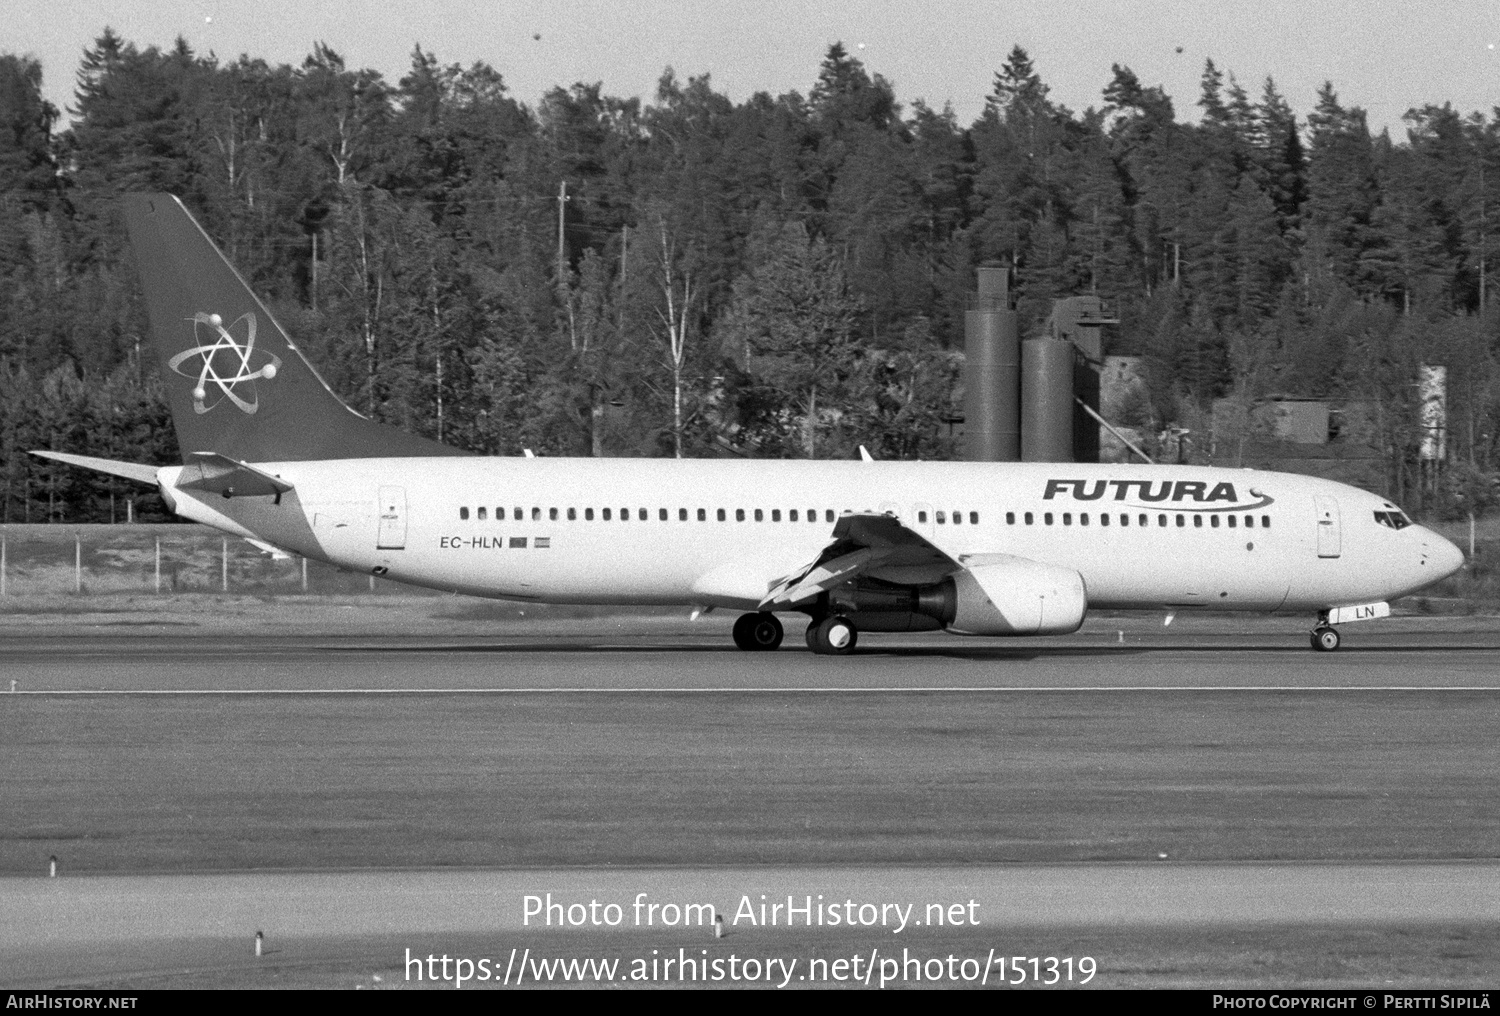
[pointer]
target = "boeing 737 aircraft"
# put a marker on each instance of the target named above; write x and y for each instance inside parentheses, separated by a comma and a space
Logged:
(271, 454)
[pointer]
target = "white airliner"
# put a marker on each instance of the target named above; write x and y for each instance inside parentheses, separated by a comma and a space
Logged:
(1003, 549)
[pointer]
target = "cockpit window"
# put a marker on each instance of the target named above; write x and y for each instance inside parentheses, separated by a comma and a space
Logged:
(1393, 519)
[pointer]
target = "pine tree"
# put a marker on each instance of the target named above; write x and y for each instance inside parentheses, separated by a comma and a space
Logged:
(1279, 158)
(791, 333)
(28, 162)
(1342, 191)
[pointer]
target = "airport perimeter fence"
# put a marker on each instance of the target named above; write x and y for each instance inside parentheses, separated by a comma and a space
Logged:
(167, 558)
(50, 560)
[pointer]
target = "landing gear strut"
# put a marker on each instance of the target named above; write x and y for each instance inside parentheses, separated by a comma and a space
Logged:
(756, 632)
(1325, 638)
(832, 636)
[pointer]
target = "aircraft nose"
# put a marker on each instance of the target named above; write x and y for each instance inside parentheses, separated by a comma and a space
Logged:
(1442, 556)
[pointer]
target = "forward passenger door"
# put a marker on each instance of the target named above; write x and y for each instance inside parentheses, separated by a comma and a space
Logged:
(1329, 539)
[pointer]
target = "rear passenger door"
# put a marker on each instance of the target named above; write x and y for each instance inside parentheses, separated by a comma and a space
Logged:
(392, 533)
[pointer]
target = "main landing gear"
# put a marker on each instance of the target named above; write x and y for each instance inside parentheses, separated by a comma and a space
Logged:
(757, 632)
(832, 636)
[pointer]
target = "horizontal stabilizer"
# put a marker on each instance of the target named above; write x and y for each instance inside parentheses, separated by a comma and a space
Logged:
(213, 473)
(130, 470)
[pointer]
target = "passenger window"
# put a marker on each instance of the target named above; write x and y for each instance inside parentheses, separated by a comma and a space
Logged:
(1083, 519)
(1047, 518)
(1213, 520)
(828, 515)
(518, 513)
(791, 516)
(643, 514)
(482, 511)
(588, 515)
(921, 516)
(721, 514)
(760, 516)
(1103, 518)
(739, 515)
(536, 515)
(606, 515)
(1249, 521)
(702, 514)
(1067, 518)
(463, 513)
(1265, 522)
(572, 514)
(661, 514)
(1197, 521)
(958, 518)
(973, 518)
(682, 515)
(1028, 518)
(1010, 518)
(1124, 519)
(1143, 520)
(1181, 521)
(1161, 521)
(775, 514)
(499, 514)
(942, 517)
(552, 514)
(812, 515)
(624, 514)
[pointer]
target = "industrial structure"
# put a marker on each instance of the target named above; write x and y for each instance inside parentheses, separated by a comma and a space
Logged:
(1035, 400)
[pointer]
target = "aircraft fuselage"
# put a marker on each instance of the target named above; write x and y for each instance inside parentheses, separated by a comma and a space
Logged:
(717, 532)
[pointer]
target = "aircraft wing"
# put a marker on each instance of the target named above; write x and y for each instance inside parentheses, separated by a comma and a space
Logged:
(864, 543)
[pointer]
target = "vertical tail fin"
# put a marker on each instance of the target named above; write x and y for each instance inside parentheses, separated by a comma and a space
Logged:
(236, 384)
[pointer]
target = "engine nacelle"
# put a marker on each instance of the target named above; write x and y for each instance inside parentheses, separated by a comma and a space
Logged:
(1005, 595)
(997, 594)
(882, 606)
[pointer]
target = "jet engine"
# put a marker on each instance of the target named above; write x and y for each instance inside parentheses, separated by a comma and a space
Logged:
(999, 595)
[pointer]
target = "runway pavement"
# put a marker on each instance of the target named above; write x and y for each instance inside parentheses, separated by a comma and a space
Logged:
(48, 912)
(85, 928)
(1216, 771)
(665, 655)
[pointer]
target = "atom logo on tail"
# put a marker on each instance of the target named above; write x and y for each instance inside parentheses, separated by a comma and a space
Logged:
(240, 374)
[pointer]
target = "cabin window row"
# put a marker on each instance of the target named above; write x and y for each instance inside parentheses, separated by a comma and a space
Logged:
(684, 515)
(1143, 520)
(942, 518)
(644, 514)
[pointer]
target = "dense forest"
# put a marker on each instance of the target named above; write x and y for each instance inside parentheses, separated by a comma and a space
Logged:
(785, 277)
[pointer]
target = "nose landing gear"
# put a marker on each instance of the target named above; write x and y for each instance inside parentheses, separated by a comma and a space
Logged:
(1325, 638)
